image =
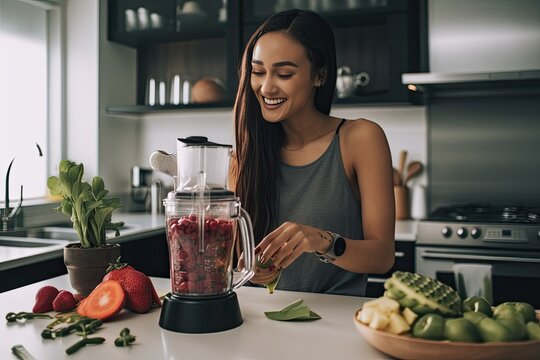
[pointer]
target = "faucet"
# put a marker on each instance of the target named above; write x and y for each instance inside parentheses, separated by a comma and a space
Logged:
(7, 216)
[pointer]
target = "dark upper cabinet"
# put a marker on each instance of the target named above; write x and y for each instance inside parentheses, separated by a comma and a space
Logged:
(179, 42)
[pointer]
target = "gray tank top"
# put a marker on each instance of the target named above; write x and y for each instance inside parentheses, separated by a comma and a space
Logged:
(320, 195)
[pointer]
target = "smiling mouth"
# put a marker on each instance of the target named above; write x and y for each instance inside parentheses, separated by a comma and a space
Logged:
(275, 101)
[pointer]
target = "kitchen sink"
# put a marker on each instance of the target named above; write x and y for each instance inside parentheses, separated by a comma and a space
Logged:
(64, 232)
(20, 243)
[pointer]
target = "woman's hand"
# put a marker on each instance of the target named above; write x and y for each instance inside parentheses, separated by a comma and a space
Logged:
(261, 276)
(285, 244)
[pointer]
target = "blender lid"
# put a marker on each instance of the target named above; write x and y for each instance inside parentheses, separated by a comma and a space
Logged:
(200, 141)
(222, 194)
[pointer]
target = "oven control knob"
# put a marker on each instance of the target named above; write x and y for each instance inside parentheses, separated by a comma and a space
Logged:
(462, 233)
(475, 232)
(446, 232)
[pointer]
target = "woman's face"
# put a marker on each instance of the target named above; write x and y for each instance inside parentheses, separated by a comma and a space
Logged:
(281, 77)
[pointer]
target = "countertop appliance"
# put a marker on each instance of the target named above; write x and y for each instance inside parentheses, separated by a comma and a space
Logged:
(203, 220)
(505, 237)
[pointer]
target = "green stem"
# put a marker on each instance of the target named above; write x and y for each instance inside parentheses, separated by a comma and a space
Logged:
(83, 342)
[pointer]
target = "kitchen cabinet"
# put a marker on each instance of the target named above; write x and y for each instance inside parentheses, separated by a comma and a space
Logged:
(31, 273)
(178, 42)
(149, 255)
(377, 40)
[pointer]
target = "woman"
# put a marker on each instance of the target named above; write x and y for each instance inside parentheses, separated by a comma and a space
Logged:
(317, 187)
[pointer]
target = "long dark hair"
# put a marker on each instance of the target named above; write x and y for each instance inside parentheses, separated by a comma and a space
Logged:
(258, 142)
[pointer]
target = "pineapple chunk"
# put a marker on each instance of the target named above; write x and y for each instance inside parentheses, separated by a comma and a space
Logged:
(372, 303)
(366, 315)
(409, 315)
(379, 321)
(388, 306)
(397, 324)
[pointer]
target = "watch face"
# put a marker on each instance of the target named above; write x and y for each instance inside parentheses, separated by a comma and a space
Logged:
(339, 246)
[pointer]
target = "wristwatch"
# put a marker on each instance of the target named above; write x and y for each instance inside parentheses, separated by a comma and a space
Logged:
(336, 249)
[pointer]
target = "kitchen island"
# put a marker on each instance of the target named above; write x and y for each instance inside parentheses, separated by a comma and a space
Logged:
(332, 337)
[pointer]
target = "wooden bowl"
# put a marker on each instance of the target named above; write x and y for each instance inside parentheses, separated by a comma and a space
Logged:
(407, 347)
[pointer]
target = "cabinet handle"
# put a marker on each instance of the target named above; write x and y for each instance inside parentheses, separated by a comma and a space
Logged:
(399, 254)
(376, 280)
(433, 255)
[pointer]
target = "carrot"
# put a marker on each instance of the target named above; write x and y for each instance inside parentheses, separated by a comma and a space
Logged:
(105, 301)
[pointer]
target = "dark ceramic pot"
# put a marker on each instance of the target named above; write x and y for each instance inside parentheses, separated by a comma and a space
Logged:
(87, 266)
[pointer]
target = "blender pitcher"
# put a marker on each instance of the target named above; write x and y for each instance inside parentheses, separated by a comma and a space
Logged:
(203, 220)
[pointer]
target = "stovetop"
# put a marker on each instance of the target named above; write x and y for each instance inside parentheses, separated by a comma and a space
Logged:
(482, 225)
(517, 214)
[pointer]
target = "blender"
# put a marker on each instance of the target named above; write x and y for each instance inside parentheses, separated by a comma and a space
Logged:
(204, 220)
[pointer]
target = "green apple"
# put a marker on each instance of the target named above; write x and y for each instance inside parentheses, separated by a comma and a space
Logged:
(516, 327)
(533, 330)
(474, 316)
(461, 330)
(525, 310)
(429, 326)
(492, 330)
(477, 304)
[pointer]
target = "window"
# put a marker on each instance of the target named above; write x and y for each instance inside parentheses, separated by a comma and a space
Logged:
(30, 94)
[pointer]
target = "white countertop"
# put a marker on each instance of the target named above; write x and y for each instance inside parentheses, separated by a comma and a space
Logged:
(406, 230)
(332, 337)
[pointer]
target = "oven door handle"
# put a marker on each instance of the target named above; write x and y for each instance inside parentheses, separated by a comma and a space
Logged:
(437, 255)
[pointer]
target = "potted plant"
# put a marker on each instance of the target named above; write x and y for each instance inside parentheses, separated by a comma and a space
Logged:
(90, 212)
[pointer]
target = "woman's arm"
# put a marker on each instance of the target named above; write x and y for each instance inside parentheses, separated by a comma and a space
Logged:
(368, 157)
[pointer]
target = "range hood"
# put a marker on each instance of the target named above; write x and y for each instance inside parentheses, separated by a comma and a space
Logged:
(494, 79)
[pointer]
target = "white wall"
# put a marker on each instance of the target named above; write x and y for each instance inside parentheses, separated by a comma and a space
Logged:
(118, 137)
(82, 44)
(405, 128)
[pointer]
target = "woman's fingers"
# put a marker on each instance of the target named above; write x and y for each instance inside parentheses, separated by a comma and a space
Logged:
(288, 248)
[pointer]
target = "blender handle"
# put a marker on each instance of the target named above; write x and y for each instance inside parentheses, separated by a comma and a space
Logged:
(246, 233)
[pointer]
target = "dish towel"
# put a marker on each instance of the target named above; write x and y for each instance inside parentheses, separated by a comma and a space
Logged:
(473, 279)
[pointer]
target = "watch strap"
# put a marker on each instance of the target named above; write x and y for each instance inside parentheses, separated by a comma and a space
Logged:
(330, 255)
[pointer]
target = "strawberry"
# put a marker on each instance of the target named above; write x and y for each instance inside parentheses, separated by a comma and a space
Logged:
(64, 301)
(140, 292)
(44, 299)
(79, 297)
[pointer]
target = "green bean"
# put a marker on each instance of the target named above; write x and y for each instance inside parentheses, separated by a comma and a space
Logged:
(12, 317)
(83, 342)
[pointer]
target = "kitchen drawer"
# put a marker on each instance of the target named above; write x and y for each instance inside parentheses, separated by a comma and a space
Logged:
(404, 262)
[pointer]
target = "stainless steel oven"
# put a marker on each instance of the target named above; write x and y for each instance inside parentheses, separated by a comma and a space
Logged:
(507, 238)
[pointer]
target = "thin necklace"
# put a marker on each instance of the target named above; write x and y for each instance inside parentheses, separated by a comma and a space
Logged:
(309, 142)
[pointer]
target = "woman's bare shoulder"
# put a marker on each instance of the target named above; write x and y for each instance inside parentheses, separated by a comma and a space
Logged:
(362, 132)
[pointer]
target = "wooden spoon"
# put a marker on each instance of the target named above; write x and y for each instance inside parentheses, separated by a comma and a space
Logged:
(401, 168)
(397, 177)
(413, 169)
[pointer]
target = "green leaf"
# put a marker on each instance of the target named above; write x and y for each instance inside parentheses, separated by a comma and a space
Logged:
(65, 165)
(97, 186)
(296, 311)
(54, 185)
(292, 305)
(66, 207)
(271, 286)
(85, 203)
(66, 183)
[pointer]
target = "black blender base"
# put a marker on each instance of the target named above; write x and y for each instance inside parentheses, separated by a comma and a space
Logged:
(200, 315)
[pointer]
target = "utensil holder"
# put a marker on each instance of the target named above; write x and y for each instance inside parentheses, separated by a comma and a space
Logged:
(401, 197)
